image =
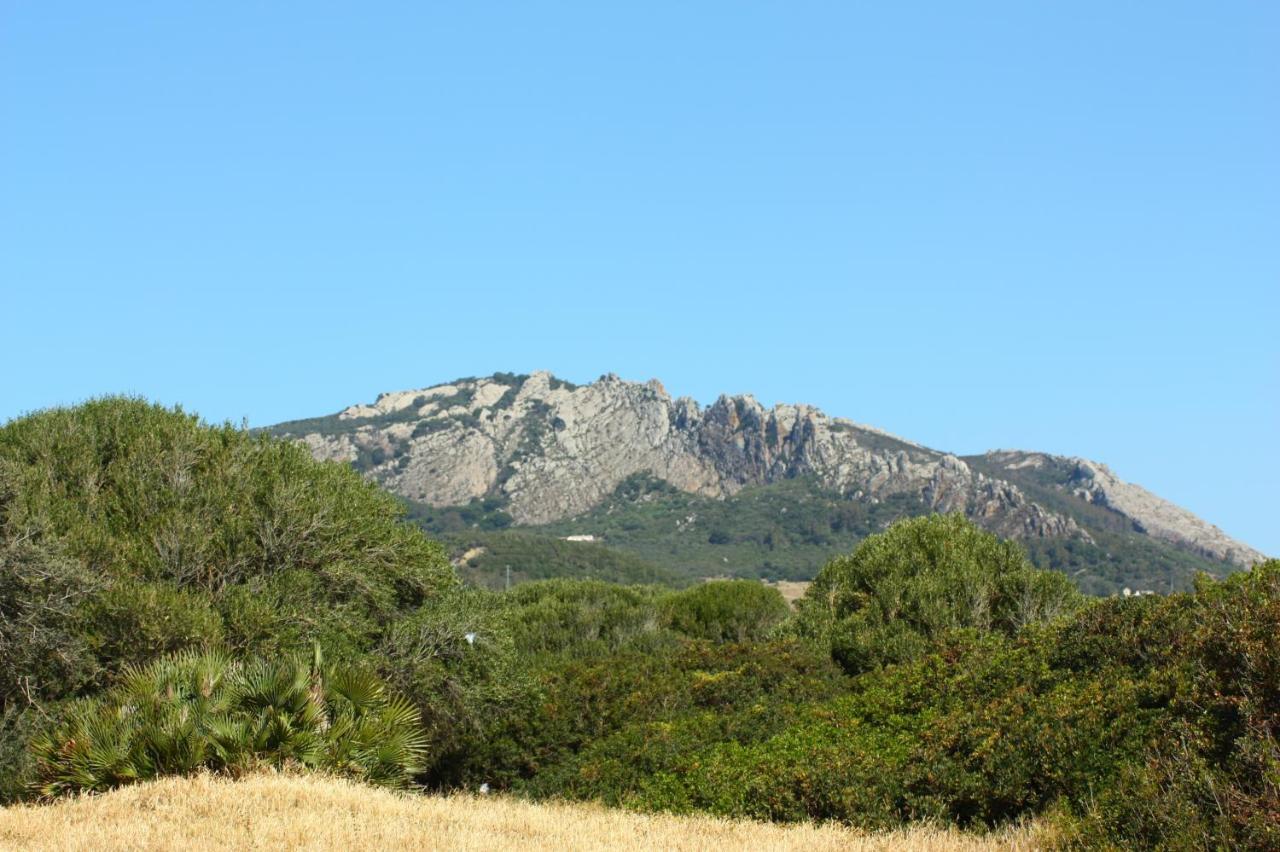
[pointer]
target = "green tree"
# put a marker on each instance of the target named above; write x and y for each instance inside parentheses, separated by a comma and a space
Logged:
(726, 610)
(140, 494)
(130, 530)
(904, 588)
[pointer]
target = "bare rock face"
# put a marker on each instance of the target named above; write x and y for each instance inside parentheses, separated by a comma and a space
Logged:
(553, 450)
(574, 447)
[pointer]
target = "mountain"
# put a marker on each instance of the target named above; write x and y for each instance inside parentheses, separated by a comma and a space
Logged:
(738, 488)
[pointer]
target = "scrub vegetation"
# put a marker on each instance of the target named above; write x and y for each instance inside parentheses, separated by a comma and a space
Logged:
(178, 599)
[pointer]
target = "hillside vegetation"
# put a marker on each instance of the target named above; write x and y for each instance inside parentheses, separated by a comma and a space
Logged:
(783, 531)
(486, 558)
(318, 813)
(178, 598)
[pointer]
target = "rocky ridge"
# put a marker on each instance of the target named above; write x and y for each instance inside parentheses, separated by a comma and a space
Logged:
(1094, 483)
(554, 450)
(550, 450)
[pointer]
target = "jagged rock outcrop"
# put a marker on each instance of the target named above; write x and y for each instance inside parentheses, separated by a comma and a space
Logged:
(553, 450)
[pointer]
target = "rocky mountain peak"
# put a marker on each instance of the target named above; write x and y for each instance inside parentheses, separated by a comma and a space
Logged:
(549, 450)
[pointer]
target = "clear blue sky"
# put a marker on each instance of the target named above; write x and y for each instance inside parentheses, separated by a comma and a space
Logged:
(1018, 224)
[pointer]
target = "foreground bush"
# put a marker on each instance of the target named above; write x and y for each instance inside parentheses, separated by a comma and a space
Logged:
(1210, 775)
(905, 588)
(196, 711)
(980, 733)
(41, 650)
(458, 665)
(129, 531)
(577, 705)
(273, 548)
(726, 610)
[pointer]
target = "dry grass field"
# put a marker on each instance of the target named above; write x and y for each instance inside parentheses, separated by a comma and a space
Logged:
(791, 590)
(312, 812)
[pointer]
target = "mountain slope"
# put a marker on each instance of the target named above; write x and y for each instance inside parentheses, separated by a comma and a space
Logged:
(1094, 483)
(538, 452)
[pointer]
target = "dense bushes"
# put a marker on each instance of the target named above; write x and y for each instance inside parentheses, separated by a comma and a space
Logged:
(1149, 721)
(1210, 774)
(457, 663)
(592, 617)
(161, 507)
(129, 531)
(43, 653)
(201, 710)
(41, 650)
(585, 617)
(597, 658)
(159, 579)
(578, 702)
(901, 590)
(726, 611)
(979, 733)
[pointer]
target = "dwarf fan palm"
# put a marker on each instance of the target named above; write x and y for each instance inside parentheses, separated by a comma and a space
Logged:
(202, 710)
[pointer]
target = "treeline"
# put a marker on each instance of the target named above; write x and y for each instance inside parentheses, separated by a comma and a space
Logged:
(175, 596)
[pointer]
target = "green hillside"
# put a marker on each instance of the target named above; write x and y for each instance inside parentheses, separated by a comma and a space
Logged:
(483, 559)
(781, 531)
(787, 531)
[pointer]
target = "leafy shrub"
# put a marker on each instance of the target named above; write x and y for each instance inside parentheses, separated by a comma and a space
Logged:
(623, 767)
(904, 588)
(590, 617)
(981, 733)
(128, 530)
(726, 611)
(584, 617)
(18, 725)
(578, 703)
(138, 621)
(1152, 721)
(42, 654)
(147, 494)
(191, 711)
(1211, 774)
(457, 663)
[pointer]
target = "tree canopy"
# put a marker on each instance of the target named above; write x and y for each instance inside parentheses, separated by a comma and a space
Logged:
(904, 588)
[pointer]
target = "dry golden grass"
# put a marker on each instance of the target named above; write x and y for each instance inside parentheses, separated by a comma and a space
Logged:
(313, 812)
(791, 590)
